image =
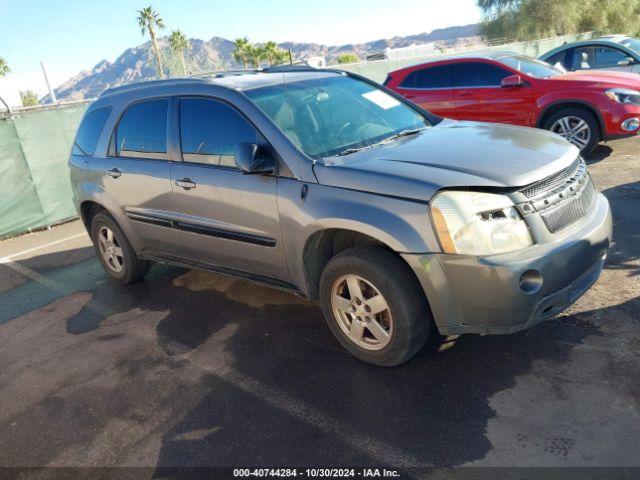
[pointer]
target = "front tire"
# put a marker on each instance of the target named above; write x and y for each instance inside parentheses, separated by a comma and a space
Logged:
(577, 126)
(114, 251)
(374, 306)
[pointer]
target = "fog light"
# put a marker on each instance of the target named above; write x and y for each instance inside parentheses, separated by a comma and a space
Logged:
(631, 124)
(531, 281)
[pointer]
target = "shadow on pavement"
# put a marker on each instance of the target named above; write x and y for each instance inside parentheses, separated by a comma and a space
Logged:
(601, 152)
(625, 249)
(249, 376)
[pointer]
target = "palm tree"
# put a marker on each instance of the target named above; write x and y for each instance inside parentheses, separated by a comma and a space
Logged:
(273, 54)
(255, 54)
(179, 43)
(4, 68)
(241, 52)
(148, 19)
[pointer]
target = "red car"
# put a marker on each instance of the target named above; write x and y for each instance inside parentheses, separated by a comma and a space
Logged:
(584, 107)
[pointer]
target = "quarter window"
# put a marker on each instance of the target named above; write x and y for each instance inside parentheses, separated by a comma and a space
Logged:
(90, 130)
(477, 75)
(142, 131)
(609, 57)
(210, 130)
(432, 77)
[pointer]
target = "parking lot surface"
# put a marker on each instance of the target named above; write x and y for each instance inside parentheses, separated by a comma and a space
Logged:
(193, 369)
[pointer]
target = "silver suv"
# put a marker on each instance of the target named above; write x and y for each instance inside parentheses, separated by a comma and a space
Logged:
(328, 185)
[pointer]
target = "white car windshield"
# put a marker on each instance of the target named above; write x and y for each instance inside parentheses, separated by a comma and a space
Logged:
(631, 43)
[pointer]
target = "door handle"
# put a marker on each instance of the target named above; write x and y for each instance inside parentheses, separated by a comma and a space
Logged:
(465, 93)
(114, 173)
(186, 183)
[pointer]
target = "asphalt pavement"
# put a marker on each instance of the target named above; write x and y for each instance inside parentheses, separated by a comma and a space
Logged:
(188, 368)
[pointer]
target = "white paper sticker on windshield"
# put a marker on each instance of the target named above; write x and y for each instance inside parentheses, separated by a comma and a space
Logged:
(381, 99)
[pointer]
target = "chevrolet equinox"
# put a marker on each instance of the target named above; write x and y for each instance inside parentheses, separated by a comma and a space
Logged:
(326, 184)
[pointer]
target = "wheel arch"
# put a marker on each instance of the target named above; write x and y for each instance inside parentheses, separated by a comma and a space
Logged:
(559, 105)
(322, 245)
(88, 210)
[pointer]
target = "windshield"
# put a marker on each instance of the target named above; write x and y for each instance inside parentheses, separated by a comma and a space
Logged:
(632, 43)
(530, 66)
(334, 115)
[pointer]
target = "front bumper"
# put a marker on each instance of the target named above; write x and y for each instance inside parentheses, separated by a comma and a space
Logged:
(469, 294)
(615, 116)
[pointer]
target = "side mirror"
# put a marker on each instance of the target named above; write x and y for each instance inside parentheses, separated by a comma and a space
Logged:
(512, 81)
(626, 62)
(250, 160)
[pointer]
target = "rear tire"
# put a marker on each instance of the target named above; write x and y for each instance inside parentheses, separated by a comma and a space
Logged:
(114, 251)
(577, 126)
(374, 306)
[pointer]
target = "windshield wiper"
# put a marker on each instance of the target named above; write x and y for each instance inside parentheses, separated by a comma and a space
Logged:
(81, 149)
(403, 133)
(352, 150)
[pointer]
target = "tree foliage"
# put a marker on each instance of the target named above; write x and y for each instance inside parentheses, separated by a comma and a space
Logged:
(347, 58)
(179, 44)
(522, 19)
(248, 53)
(29, 98)
(148, 20)
(4, 68)
(240, 53)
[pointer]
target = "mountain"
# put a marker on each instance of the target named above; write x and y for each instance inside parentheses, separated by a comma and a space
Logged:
(137, 64)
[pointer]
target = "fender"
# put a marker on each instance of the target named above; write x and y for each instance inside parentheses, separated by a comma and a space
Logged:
(92, 192)
(546, 102)
(400, 224)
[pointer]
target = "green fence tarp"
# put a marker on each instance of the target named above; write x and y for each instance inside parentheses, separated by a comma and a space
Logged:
(34, 176)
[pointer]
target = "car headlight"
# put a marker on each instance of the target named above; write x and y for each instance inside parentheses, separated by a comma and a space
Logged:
(476, 223)
(623, 95)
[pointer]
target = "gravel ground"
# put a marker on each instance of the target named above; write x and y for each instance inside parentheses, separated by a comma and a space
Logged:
(191, 369)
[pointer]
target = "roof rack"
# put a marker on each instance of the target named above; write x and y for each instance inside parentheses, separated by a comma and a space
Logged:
(226, 73)
(202, 77)
(147, 83)
(289, 68)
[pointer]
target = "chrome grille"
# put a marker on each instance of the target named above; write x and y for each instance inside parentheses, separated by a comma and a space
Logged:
(564, 197)
(570, 211)
(552, 181)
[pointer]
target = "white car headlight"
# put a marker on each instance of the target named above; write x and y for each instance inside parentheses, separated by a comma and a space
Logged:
(623, 95)
(476, 223)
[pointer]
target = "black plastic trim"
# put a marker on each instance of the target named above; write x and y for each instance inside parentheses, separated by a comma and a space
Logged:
(184, 262)
(202, 229)
(228, 234)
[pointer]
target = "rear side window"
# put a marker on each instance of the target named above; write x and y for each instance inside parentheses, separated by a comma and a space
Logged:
(557, 58)
(142, 131)
(90, 130)
(476, 74)
(432, 77)
(210, 131)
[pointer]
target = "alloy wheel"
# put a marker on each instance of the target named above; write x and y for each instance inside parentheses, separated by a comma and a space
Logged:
(573, 129)
(362, 312)
(110, 249)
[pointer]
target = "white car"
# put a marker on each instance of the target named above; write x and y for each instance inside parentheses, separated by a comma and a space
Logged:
(611, 52)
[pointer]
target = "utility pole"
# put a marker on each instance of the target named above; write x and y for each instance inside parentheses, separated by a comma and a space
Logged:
(46, 79)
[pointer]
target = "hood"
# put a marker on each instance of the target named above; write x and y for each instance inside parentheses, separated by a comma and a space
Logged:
(613, 78)
(451, 154)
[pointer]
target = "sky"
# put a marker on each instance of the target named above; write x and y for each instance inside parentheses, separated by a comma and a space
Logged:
(75, 35)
